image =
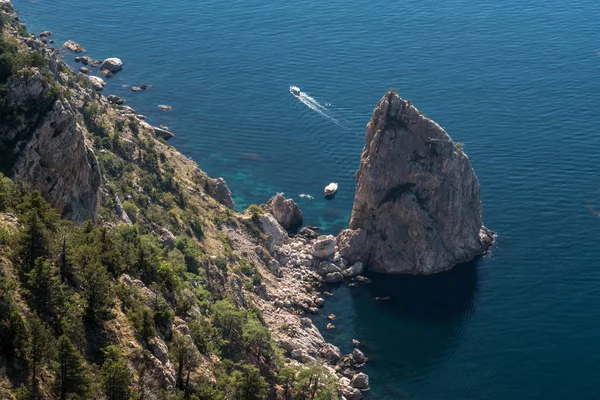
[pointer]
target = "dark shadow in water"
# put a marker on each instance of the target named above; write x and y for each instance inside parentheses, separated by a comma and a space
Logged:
(444, 296)
(421, 324)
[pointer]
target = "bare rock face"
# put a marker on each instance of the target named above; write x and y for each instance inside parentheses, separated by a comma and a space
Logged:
(286, 211)
(417, 207)
(218, 189)
(49, 149)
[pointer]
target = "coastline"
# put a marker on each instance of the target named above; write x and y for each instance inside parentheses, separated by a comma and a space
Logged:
(291, 294)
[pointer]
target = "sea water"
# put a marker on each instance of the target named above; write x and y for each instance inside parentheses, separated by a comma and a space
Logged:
(517, 82)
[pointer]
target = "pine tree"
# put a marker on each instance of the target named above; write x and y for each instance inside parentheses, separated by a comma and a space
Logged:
(38, 220)
(71, 376)
(116, 376)
(248, 383)
(43, 286)
(40, 349)
(185, 355)
(98, 290)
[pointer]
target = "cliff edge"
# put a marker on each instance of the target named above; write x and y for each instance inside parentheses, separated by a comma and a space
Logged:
(417, 207)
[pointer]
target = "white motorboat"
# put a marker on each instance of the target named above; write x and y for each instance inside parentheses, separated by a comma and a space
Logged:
(331, 189)
(295, 90)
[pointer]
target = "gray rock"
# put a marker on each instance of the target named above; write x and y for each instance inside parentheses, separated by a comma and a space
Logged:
(45, 34)
(73, 46)
(112, 99)
(96, 82)
(84, 70)
(324, 247)
(112, 64)
(355, 269)
(325, 267)
(305, 321)
(105, 72)
(95, 63)
(163, 133)
(219, 191)
(331, 353)
(334, 277)
(85, 60)
(55, 159)
(159, 349)
(358, 356)
(285, 211)
(167, 239)
(320, 302)
(276, 235)
(351, 393)
(417, 197)
(360, 381)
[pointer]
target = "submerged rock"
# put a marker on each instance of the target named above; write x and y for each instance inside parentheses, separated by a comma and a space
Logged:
(417, 207)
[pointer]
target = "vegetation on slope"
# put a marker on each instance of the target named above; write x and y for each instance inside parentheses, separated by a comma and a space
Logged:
(110, 310)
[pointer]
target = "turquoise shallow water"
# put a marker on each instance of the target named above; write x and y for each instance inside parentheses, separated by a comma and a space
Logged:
(517, 82)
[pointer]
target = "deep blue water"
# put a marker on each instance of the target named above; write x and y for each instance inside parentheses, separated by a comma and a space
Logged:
(517, 82)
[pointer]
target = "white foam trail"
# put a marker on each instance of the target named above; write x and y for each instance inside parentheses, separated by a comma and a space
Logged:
(314, 105)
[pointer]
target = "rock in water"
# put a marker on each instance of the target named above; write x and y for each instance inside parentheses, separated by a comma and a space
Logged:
(286, 211)
(73, 46)
(417, 206)
(112, 64)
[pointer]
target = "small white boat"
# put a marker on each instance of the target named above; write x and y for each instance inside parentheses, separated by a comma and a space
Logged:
(331, 189)
(295, 90)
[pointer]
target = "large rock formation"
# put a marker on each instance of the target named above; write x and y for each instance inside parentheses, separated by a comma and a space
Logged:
(285, 211)
(48, 150)
(417, 206)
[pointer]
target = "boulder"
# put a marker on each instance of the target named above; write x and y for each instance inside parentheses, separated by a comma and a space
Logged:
(95, 63)
(115, 99)
(96, 82)
(351, 393)
(331, 353)
(360, 381)
(73, 46)
(163, 133)
(417, 207)
(112, 64)
(320, 302)
(84, 70)
(276, 235)
(85, 60)
(45, 34)
(325, 267)
(167, 239)
(324, 247)
(285, 211)
(105, 72)
(358, 356)
(305, 321)
(159, 349)
(355, 269)
(334, 277)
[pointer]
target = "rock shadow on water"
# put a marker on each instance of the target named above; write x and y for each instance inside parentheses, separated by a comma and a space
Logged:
(419, 327)
(445, 296)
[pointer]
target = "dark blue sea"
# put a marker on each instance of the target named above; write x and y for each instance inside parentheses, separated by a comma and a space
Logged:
(518, 82)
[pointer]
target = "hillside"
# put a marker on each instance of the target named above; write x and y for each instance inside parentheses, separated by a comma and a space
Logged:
(124, 274)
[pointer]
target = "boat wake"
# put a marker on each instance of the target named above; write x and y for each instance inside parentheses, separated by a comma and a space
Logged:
(314, 105)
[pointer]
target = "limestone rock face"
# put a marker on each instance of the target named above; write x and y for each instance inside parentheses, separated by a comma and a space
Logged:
(417, 206)
(219, 190)
(49, 149)
(286, 211)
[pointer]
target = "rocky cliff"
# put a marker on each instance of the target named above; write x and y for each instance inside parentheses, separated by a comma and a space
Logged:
(41, 140)
(417, 207)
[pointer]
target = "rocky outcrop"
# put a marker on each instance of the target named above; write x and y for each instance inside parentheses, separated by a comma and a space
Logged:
(95, 82)
(49, 148)
(165, 134)
(417, 207)
(73, 46)
(217, 189)
(286, 211)
(112, 64)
